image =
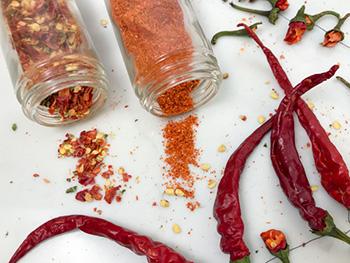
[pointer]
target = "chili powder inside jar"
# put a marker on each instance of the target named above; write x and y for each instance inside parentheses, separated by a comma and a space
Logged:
(53, 65)
(170, 62)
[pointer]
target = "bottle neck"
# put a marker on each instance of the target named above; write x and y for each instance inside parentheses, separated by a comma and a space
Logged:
(177, 69)
(61, 72)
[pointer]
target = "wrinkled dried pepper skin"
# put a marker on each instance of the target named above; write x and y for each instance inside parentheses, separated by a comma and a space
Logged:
(329, 162)
(226, 208)
(288, 167)
(154, 251)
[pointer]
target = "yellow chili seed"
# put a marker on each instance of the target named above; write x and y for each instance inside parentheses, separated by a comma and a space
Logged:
(336, 125)
(225, 75)
(212, 184)
(222, 148)
(314, 188)
(261, 119)
(176, 229)
(274, 95)
(205, 167)
(169, 191)
(164, 203)
(311, 105)
(179, 192)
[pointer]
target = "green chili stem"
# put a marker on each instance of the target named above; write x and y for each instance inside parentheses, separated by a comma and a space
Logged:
(241, 32)
(300, 16)
(332, 231)
(322, 14)
(272, 2)
(243, 260)
(249, 10)
(345, 82)
(341, 22)
(283, 255)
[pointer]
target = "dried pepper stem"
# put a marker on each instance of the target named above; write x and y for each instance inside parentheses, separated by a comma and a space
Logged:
(312, 19)
(240, 32)
(243, 260)
(345, 82)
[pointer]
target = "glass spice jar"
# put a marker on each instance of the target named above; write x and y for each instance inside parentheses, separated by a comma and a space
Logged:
(169, 60)
(52, 62)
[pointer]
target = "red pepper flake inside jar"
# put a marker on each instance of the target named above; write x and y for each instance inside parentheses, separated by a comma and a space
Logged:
(170, 62)
(50, 58)
(180, 153)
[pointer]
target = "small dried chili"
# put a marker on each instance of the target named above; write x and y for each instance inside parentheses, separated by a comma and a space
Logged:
(284, 155)
(329, 162)
(141, 245)
(276, 243)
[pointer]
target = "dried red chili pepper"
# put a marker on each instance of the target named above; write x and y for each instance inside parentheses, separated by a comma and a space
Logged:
(329, 162)
(141, 245)
(334, 36)
(297, 27)
(284, 154)
(226, 208)
(276, 243)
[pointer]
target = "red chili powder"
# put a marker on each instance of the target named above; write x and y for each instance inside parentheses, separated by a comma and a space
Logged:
(180, 153)
(151, 29)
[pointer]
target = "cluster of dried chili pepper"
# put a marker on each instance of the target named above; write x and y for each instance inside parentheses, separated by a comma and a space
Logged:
(303, 22)
(44, 30)
(330, 164)
(154, 251)
(91, 148)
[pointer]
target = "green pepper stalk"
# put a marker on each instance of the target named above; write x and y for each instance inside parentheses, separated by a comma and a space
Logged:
(345, 82)
(243, 260)
(239, 33)
(276, 242)
(335, 35)
(272, 14)
(312, 19)
(332, 231)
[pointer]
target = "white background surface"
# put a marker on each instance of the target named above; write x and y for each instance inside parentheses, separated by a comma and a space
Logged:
(28, 202)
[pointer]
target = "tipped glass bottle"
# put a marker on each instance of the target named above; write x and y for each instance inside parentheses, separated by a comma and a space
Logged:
(169, 60)
(53, 65)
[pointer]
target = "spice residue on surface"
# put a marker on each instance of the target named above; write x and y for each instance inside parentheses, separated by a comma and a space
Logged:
(91, 148)
(181, 153)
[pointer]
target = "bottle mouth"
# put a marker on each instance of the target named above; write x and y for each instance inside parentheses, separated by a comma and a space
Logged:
(48, 78)
(180, 69)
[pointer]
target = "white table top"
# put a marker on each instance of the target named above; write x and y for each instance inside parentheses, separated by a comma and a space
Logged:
(28, 202)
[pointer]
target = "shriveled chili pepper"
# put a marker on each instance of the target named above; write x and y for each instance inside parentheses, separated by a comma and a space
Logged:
(227, 208)
(335, 35)
(155, 252)
(276, 243)
(287, 163)
(329, 162)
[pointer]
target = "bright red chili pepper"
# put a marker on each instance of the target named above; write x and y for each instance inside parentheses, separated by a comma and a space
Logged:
(295, 32)
(290, 185)
(328, 160)
(227, 208)
(275, 240)
(141, 245)
(332, 38)
(282, 5)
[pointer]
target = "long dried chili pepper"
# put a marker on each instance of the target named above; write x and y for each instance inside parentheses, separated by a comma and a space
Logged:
(227, 208)
(141, 245)
(287, 163)
(329, 163)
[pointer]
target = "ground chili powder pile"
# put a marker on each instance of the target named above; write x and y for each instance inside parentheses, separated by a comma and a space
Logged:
(181, 153)
(91, 148)
(151, 29)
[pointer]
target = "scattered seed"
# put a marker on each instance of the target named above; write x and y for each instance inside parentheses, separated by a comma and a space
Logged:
(205, 167)
(179, 192)
(261, 119)
(176, 229)
(225, 75)
(71, 190)
(336, 125)
(314, 188)
(243, 117)
(310, 104)
(14, 127)
(104, 22)
(212, 184)
(164, 203)
(222, 148)
(169, 191)
(274, 95)
(46, 181)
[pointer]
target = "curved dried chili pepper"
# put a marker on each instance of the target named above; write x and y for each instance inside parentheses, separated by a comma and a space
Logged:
(227, 208)
(329, 163)
(141, 245)
(284, 156)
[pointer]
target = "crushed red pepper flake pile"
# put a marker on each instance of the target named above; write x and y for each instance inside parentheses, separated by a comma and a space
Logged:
(91, 148)
(181, 153)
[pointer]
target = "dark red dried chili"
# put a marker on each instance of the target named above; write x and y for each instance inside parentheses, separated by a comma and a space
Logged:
(284, 156)
(329, 162)
(227, 208)
(141, 245)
